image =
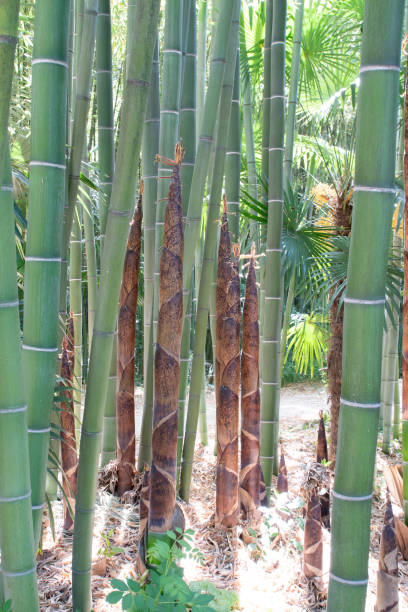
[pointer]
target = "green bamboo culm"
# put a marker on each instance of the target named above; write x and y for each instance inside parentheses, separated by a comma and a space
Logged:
(169, 125)
(44, 236)
(143, 24)
(293, 93)
(233, 159)
(202, 16)
(106, 160)
(396, 426)
(207, 131)
(374, 194)
(8, 40)
(390, 354)
(75, 305)
(104, 92)
(188, 138)
(150, 147)
(18, 572)
(90, 253)
(272, 284)
(210, 248)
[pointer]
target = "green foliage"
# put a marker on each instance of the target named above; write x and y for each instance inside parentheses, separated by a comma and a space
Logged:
(163, 588)
(308, 339)
(107, 550)
(6, 607)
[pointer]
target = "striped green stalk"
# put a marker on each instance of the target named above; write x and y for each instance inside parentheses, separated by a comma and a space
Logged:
(43, 252)
(90, 252)
(18, 571)
(390, 352)
(202, 15)
(286, 318)
(106, 161)
(272, 284)
(188, 138)
(84, 54)
(144, 27)
(233, 160)
(203, 413)
(104, 93)
(169, 125)
(374, 194)
(210, 247)
(293, 93)
(149, 171)
(8, 40)
(266, 94)
(75, 305)
(207, 132)
(396, 428)
(247, 106)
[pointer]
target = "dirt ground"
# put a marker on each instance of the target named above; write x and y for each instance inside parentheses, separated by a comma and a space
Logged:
(266, 571)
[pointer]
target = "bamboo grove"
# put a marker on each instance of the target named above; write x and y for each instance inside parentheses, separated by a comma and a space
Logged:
(211, 202)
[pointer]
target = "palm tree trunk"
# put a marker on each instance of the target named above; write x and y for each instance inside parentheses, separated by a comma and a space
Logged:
(18, 571)
(149, 172)
(293, 93)
(43, 252)
(250, 396)
(125, 395)
(273, 292)
(167, 364)
(144, 27)
(364, 304)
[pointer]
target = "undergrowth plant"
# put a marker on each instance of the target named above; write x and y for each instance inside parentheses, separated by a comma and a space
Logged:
(162, 588)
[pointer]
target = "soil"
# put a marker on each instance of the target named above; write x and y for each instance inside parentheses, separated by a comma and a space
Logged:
(262, 563)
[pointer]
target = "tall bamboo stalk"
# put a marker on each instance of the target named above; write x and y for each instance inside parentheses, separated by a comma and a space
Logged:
(293, 93)
(144, 27)
(250, 395)
(91, 265)
(390, 353)
(188, 138)
(149, 171)
(18, 571)
(405, 319)
(104, 92)
(202, 14)
(169, 124)
(273, 291)
(125, 395)
(364, 304)
(167, 363)
(207, 131)
(106, 159)
(267, 50)
(209, 255)
(8, 33)
(228, 380)
(43, 252)
(75, 300)
(233, 160)
(397, 403)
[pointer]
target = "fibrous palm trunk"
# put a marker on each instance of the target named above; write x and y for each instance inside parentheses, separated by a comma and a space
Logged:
(167, 363)
(227, 380)
(250, 395)
(144, 26)
(272, 300)
(18, 571)
(342, 220)
(364, 304)
(44, 246)
(125, 395)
